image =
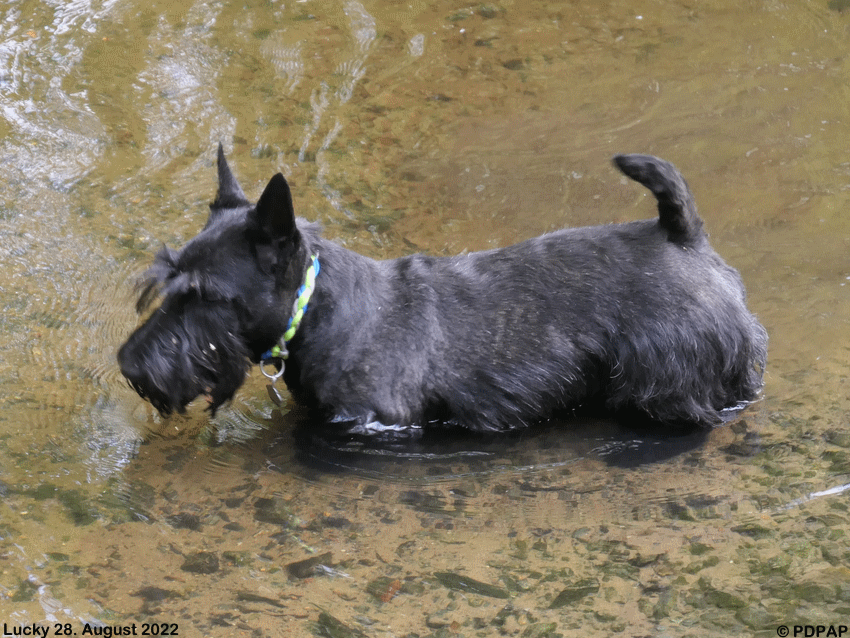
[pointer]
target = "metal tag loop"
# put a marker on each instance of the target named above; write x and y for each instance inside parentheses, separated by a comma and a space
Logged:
(277, 373)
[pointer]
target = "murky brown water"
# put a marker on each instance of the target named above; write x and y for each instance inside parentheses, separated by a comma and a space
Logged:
(438, 127)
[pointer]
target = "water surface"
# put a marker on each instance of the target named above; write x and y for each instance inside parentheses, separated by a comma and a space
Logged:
(442, 128)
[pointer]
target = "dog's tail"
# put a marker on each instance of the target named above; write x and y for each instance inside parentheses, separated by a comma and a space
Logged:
(677, 211)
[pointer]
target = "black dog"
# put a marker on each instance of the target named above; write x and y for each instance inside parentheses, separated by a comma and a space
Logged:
(639, 316)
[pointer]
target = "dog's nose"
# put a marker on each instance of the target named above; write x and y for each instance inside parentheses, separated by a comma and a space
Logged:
(128, 364)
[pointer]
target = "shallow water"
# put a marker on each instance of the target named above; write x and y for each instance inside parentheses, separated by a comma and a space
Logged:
(442, 128)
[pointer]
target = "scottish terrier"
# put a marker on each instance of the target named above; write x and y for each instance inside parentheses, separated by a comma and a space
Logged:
(640, 317)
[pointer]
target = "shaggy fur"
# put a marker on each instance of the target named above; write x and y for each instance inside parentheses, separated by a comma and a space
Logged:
(639, 316)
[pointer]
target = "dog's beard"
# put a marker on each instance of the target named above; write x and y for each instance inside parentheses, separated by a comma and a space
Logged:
(175, 357)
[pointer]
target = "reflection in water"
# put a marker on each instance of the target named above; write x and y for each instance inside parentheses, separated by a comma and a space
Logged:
(287, 59)
(416, 127)
(64, 136)
(437, 454)
(183, 75)
(833, 491)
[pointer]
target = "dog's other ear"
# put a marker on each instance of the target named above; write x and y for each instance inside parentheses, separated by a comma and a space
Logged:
(229, 193)
(274, 215)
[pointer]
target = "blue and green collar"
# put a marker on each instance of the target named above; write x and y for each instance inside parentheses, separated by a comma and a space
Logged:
(302, 298)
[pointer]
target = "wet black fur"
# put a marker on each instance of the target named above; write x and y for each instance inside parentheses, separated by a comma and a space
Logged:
(640, 316)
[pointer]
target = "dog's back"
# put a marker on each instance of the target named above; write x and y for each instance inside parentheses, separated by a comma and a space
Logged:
(642, 315)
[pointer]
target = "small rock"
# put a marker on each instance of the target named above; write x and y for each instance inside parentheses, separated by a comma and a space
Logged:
(307, 567)
(200, 563)
(574, 593)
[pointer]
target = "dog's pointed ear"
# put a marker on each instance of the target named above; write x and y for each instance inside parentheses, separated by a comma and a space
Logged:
(229, 193)
(274, 215)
